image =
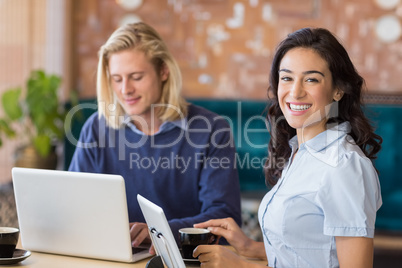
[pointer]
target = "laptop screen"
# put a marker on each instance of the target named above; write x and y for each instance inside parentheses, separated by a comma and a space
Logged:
(73, 213)
(161, 234)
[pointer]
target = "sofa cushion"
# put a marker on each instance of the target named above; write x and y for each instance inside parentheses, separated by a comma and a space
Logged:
(251, 137)
(388, 122)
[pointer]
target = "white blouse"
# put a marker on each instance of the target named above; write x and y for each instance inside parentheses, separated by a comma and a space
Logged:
(330, 189)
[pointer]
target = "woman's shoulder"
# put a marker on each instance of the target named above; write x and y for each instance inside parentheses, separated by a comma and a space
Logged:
(339, 151)
(349, 150)
(350, 159)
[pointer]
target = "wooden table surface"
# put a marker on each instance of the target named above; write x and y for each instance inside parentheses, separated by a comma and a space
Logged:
(44, 260)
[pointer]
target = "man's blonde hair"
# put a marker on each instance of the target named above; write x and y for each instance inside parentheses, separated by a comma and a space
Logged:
(141, 37)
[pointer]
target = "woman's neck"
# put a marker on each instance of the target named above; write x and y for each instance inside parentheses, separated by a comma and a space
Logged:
(307, 133)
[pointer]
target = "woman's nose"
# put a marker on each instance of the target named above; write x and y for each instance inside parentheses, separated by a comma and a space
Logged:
(297, 90)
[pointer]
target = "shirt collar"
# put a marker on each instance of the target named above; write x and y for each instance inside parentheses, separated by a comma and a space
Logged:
(326, 138)
(165, 127)
(320, 146)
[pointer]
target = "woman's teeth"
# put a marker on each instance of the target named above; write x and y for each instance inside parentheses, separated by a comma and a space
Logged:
(295, 107)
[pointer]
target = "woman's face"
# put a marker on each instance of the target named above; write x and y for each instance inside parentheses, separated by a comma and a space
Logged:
(305, 90)
(135, 82)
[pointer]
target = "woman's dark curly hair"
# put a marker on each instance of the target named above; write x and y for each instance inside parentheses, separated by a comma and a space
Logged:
(345, 77)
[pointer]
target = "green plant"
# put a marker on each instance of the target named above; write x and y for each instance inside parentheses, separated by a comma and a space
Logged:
(35, 114)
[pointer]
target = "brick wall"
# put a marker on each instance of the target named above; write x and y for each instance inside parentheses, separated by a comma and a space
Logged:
(225, 47)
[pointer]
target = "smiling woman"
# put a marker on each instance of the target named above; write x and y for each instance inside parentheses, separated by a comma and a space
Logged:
(327, 80)
(330, 144)
(322, 207)
(305, 90)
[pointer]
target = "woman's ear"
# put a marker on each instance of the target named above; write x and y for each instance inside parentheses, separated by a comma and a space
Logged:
(338, 95)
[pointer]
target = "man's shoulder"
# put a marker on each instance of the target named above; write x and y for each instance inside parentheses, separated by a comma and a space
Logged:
(92, 119)
(198, 112)
(94, 123)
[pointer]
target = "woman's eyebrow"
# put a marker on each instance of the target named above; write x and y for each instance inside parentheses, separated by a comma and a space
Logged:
(306, 72)
(285, 70)
(314, 72)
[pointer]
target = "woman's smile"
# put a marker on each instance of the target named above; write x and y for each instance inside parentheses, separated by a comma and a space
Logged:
(298, 107)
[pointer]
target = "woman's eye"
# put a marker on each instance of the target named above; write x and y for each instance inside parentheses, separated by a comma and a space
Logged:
(312, 80)
(286, 78)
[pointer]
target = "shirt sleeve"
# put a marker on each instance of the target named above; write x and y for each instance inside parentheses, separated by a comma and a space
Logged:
(85, 156)
(219, 187)
(350, 197)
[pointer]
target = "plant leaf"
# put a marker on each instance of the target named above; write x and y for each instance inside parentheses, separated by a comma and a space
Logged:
(11, 106)
(42, 145)
(42, 102)
(5, 127)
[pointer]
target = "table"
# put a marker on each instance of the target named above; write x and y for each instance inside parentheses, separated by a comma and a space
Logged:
(43, 260)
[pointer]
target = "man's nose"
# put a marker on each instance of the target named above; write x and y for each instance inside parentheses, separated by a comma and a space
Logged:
(126, 87)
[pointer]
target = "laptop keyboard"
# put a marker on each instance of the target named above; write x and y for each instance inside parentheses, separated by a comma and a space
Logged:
(137, 250)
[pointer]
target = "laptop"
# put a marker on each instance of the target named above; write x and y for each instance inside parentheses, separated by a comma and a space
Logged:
(161, 234)
(74, 213)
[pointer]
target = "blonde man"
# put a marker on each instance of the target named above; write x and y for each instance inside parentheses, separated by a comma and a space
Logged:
(146, 41)
(178, 155)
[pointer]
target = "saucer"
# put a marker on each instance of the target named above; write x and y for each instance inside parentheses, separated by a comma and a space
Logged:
(19, 255)
(191, 260)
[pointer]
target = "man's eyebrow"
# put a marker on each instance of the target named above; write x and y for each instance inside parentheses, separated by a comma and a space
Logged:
(132, 73)
(306, 72)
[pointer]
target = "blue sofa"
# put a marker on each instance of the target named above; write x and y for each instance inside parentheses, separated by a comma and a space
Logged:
(251, 137)
(388, 122)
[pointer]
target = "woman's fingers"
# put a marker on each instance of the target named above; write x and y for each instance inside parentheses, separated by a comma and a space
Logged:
(201, 250)
(216, 256)
(215, 223)
(227, 228)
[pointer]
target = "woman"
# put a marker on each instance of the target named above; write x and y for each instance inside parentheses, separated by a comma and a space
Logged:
(322, 207)
(145, 131)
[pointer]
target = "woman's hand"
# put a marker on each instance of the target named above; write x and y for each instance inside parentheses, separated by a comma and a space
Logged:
(229, 229)
(218, 256)
(139, 235)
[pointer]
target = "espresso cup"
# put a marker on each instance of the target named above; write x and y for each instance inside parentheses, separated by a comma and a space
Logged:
(190, 238)
(8, 241)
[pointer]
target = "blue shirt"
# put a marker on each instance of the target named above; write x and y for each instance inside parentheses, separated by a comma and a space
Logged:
(188, 170)
(329, 189)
